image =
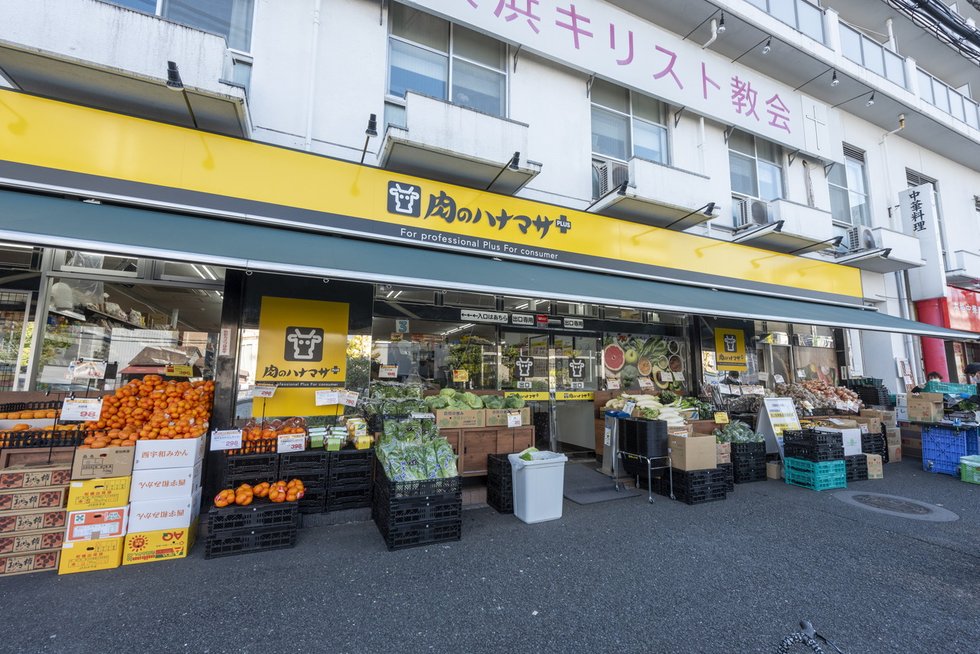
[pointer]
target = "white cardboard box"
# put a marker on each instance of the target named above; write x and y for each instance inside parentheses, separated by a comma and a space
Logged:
(164, 483)
(173, 513)
(851, 438)
(179, 453)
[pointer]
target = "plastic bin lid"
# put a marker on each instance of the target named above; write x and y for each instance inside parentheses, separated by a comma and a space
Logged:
(537, 459)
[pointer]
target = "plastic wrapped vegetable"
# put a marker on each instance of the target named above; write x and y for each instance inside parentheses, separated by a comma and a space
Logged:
(514, 402)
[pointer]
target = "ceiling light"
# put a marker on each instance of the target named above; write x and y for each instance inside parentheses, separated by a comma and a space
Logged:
(721, 24)
(834, 81)
(767, 47)
(871, 100)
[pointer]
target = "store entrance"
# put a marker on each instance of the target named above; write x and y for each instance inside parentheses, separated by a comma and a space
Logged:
(556, 372)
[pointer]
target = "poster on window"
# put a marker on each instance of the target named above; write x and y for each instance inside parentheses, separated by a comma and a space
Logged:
(629, 357)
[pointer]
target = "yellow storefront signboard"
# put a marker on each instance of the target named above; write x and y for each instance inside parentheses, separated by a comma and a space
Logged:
(529, 396)
(65, 145)
(302, 347)
(565, 396)
(730, 349)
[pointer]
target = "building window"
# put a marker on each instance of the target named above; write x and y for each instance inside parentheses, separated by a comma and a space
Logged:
(430, 56)
(627, 124)
(849, 203)
(756, 167)
(231, 19)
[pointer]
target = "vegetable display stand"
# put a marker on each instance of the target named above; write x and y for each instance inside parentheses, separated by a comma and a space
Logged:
(943, 445)
(415, 513)
(257, 527)
(749, 462)
(500, 483)
(816, 476)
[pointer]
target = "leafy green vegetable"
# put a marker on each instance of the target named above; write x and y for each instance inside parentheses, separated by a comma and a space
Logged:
(737, 432)
(472, 400)
(514, 402)
(448, 392)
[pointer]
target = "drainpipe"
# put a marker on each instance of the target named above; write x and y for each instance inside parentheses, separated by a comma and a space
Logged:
(311, 105)
(714, 34)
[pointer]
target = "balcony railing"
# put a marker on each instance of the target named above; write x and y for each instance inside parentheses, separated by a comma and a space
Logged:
(798, 14)
(872, 55)
(947, 99)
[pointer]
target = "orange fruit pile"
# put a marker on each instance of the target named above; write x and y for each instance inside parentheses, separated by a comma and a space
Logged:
(263, 438)
(278, 491)
(152, 408)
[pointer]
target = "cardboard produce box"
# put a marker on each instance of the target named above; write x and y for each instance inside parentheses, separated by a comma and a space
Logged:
(103, 462)
(23, 563)
(460, 419)
(723, 451)
(774, 470)
(695, 452)
(161, 515)
(894, 453)
(165, 483)
(98, 493)
(178, 453)
(925, 407)
(163, 545)
(498, 417)
(32, 541)
(869, 425)
(35, 456)
(851, 438)
(875, 470)
(886, 418)
(893, 435)
(35, 476)
(27, 499)
(96, 523)
(20, 521)
(91, 555)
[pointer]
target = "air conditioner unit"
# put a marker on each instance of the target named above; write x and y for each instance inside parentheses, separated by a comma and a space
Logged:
(606, 176)
(860, 238)
(753, 212)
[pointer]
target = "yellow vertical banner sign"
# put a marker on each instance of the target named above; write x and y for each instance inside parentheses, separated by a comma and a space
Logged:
(730, 349)
(302, 348)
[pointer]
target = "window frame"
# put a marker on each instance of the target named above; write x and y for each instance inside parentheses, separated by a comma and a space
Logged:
(757, 160)
(451, 57)
(863, 163)
(158, 12)
(631, 120)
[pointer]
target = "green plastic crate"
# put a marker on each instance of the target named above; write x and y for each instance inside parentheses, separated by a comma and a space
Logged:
(970, 469)
(825, 475)
(947, 388)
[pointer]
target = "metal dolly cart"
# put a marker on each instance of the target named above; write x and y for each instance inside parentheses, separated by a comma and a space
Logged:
(650, 468)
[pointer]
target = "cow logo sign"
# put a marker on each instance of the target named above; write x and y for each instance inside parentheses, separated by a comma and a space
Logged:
(304, 344)
(404, 199)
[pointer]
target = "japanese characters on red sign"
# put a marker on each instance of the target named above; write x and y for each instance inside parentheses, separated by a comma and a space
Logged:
(964, 309)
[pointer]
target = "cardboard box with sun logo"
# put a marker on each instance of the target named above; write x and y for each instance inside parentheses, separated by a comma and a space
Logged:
(163, 545)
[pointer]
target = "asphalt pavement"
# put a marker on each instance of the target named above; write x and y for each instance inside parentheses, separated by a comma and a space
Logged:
(620, 576)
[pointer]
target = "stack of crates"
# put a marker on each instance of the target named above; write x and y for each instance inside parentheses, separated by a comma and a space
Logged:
(749, 462)
(944, 445)
(815, 476)
(813, 445)
(500, 483)
(415, 513)
(258, 527)
(695, 486)
(310, 467)
(350, 475)
(856, 467)
(237, 469)
(729, 470)
(815, 459)
(875, 444)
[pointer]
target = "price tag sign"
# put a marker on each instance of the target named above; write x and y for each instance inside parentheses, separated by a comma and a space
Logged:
(526, 385)
(721, 417)
(645, 383)
(575, 384)
(423, 416)
(461, 376)
(84, 370)
(666, 376)
(81, 409)
(264, 391)
(514, 419)
(291, 443)
(678, 376)
(629, 406)
(327, 397)
(612, 384)
(226, 439)
(388, 372)
(179, 371)
(350, 398)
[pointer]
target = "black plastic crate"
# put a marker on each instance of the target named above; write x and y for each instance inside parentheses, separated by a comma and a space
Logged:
(46, 405)
(351, 459)
(817, 453)
(265, 467)
(813, 437)
(250, 541)
(695, 479)
(38, 438)
(311, 480)
(310, 461)
(498, 467)
(856, 474)
(387, 490)
(431, 509)
(751, 474)
(729, 470)
(314, 500)
(749, 450)
(500, 499)
(350, 477)
(419, 534)
(339, 499)
(261, 514)
(710, 493)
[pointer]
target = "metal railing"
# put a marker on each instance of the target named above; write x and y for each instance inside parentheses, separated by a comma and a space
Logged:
(949, 100)
(870, 54)
(799, 14)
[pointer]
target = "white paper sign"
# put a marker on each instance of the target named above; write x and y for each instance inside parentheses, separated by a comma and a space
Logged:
(777, 378)
(388, 372)
(666, 376)
(264, 391)
(85, 370)
(81, 409)
(678, 376)
(524, 385)
(629, 406)
(350, 398)
(226, 439)
(776, 415)
(514, 419)
(291, 443)
(423, 416)
(612, 384)
(224, 342)
(645, 383)
(327, 398)
(579, 384)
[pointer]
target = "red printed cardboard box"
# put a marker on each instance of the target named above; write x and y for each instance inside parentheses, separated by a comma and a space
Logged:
(26, 499)
(21, 521)
(22, 563)
(96, 523)
(150, 546)
(32, 541)
(36, 476)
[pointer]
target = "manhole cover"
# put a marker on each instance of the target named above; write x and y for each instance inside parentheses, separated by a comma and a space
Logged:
(893, 505)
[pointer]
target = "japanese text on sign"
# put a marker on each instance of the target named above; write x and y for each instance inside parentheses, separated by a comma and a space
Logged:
(81, 409)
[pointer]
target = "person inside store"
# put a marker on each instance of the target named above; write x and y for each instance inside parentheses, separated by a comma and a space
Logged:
(932, 376)
(732, 378)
